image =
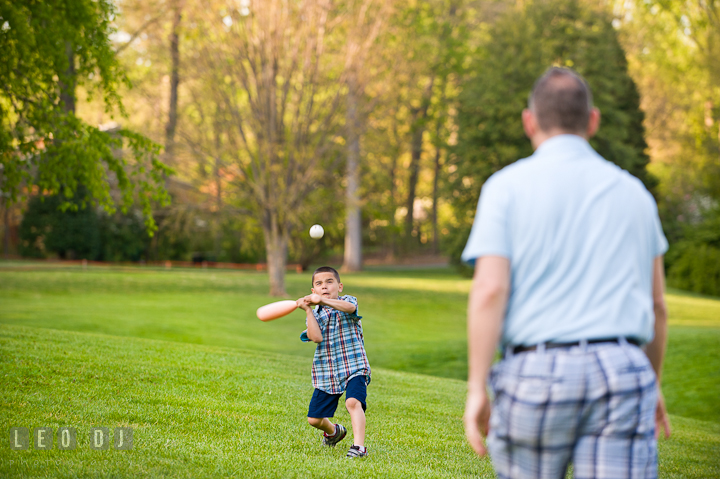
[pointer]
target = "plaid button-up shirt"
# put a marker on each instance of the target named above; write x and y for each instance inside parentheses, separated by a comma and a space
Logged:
(341, 354)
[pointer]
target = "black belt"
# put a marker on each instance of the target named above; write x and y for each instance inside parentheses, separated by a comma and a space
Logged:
(522, 349)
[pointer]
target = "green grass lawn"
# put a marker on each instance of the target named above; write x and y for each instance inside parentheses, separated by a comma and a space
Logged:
(204, 411)
(211, 391)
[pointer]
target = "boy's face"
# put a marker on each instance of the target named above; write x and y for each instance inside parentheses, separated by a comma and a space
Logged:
(326, 285)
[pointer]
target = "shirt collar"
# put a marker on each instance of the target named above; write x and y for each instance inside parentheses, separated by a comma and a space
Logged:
(562, 142)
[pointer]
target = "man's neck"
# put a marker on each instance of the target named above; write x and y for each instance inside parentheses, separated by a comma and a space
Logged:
(542, 136)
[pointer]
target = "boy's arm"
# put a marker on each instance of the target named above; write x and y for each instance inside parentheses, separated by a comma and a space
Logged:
(339, 304)
(313, 328)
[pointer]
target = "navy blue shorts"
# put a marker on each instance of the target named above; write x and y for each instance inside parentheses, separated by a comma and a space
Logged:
(323, 404)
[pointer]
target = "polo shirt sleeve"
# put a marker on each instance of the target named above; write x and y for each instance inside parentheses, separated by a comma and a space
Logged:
(490, 235)
(661, 243)
(351, 316)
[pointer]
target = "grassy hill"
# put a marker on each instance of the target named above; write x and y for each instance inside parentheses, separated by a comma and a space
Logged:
(212, 391)
(200, 411)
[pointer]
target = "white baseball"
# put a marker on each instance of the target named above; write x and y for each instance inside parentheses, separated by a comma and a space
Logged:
(317, 232)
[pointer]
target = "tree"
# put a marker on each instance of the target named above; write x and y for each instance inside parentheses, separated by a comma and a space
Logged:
(673, 55)
(673, 48)
(362, 31)
(274, 76)
(174, 80)
(50, 48)
(425, 54)
(516, 50)
(415, 101)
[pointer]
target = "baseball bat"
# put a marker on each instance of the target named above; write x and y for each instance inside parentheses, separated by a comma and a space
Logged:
(276, 310)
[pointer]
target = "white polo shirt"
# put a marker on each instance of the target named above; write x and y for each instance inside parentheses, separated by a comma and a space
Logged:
(581, 235)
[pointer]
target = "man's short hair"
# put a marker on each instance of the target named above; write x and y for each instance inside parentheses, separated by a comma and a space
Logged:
(561, 99)
(326, 269)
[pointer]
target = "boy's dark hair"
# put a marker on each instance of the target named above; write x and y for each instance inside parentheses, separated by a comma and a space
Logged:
(325, 269)
(561, 99)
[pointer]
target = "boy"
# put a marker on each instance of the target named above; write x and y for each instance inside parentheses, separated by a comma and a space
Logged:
(340, 363)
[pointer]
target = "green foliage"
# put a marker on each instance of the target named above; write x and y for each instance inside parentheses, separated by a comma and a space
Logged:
(305, 250)
(241, 241)
(93, 234)
(417, 61)
(515, 51)
(80, 232)
(45, 229)
(693, 263)
(193, 234)
(696, 269)
(122, 237)
(49, 48)
(673, 53)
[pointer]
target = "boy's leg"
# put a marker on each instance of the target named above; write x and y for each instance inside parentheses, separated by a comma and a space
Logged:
(322, 407)
(355, 396)
(323, 424)
(357, 418)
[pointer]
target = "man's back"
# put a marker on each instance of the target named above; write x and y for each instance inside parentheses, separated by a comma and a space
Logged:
(581, 235)
(569, 277)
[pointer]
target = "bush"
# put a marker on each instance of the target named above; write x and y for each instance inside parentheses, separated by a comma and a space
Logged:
(46, 230)
(84, 233)
(123, 237)
(694, 262)
(92, 234)
(696, 267)
(454, 244)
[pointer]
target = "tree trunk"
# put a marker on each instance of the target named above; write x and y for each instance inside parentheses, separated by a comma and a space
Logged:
(6, 232)
(276, 247)
(416, 144)
(393, 193)
(218, 191)
(67, 84)
(438, 151)
(436, 243)
(353, 221)
(393, 207)
(415, 153)
(174, 82)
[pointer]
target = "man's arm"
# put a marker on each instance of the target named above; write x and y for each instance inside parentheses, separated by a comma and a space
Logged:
(655, 349)
(486, 312)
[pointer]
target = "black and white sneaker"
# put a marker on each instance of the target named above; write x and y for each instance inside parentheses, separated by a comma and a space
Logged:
(357, 451)
(339, 435)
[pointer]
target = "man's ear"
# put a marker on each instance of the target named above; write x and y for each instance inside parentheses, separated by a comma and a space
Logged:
(593, 123)
(340, 287)
(529, 123)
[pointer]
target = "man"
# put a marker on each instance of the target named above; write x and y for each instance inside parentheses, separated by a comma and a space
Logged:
(569, 279)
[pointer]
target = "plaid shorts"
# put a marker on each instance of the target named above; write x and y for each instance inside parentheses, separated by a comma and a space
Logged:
(592, 405)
